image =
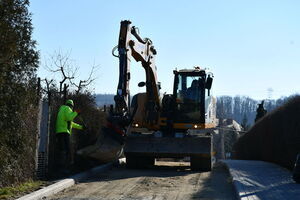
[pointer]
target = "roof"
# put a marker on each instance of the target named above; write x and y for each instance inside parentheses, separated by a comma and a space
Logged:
(195, 69)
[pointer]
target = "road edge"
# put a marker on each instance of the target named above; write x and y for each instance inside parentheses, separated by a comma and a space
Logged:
(68, 182)
(235, 186)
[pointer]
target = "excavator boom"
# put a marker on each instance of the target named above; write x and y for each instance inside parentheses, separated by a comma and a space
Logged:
(142, 50)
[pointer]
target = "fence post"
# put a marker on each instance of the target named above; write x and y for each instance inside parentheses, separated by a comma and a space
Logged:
(38, 91)
(39, 105)
(38, 137)
(65, 93)
(42, 168)
(43, 127)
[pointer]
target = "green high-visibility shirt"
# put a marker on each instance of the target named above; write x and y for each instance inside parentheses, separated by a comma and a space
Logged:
(64, 121)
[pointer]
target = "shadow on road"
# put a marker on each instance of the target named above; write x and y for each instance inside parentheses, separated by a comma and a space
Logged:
(159, 170)
(217, 185)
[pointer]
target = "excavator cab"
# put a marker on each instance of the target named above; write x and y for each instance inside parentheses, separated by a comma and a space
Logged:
(192, 96)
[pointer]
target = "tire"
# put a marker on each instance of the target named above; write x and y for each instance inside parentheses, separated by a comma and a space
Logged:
(131, 161)
(199, 163)
(139, 162)
(148, 161)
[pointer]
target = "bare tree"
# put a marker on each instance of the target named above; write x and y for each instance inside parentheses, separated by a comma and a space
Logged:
(62, 64)
(86, 82)
(48, 84)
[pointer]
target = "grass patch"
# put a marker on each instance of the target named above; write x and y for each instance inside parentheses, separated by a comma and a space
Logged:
(8, 192)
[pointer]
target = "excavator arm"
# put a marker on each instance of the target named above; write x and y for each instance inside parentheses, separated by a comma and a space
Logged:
(142, 50)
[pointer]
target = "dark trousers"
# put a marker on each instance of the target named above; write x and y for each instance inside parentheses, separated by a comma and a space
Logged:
(63, 144)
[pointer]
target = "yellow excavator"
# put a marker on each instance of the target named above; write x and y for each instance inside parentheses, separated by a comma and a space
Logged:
(153, 126)
(174, 125)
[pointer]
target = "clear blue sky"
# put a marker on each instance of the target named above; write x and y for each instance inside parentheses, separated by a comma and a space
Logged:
(249, 45)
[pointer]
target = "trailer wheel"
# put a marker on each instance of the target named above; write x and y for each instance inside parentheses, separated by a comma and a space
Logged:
(199, 163)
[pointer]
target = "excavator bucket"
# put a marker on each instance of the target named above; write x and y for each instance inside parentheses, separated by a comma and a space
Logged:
(109, 147)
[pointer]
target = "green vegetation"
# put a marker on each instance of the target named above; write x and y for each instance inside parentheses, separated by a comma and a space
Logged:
(18, 111)
(19, 61)
(9, 192)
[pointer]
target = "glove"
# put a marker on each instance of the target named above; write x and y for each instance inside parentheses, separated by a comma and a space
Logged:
(84, 127)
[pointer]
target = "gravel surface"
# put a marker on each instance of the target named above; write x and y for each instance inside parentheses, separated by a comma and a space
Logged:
(166, 180)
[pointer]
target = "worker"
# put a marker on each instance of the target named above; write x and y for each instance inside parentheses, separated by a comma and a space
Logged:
(260, 111)
(192, 92)
(64, 125)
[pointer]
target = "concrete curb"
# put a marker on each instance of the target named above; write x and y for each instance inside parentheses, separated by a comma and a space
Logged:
(68, 182)
(253, 179)
(235, 186)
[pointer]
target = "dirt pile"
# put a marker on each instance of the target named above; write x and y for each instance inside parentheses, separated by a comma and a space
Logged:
(274, 138)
